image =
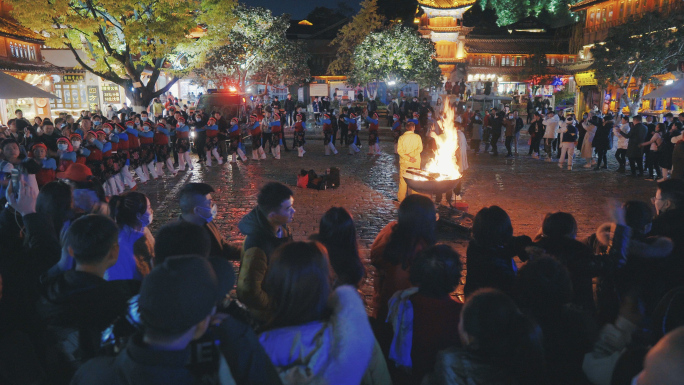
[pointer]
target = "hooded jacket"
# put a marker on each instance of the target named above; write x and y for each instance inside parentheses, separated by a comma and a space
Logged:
(259, 244)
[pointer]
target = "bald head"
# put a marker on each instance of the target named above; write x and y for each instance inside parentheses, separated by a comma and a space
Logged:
(664, 363)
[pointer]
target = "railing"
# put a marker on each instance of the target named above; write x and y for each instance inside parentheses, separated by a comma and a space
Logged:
(450, 29)
(674, 5)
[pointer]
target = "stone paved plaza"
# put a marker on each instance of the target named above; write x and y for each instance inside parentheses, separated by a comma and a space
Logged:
(526, 188)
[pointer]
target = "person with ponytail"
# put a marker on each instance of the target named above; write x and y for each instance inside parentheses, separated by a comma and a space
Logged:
(500, 345)
(133, 213)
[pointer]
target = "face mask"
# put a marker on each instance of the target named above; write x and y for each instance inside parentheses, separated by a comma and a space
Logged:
(510, 116)
(129, 126)
(107, 130)
(144, 118)
(76, 144)
(199, 119)
(146, 219)
(62, 146)
(62, 125)
(212, 213)
(146, 129)
(91, 140)
(429, 115)
(96, 123)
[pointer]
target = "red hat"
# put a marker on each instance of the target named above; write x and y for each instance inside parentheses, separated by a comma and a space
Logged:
(67, 141)
(148, 124)
(211, 122)
(352, 115)
(375, 115)
(234, 119)
(162, 125)
(100, 132)
(120, 126)
(43, 146)
(254, 116)
(91, 132)
(76, 172)
(172, 108)
(415, 114)
(397, 117)
(326, 116)
(130, 123)
(276, 116)
(300, 116)
(76, 135)
(181, 119)
(107, 125)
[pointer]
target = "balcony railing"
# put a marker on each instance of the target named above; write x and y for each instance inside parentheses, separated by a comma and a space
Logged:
(609, 24)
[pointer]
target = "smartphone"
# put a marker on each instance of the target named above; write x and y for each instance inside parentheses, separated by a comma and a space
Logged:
(16, 181)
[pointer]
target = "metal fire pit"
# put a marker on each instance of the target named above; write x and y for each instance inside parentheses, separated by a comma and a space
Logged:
(429, 186)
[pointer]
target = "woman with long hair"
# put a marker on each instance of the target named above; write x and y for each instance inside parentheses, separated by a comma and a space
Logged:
(133, 213)
(396, 246)
(315, 334)
(337, 233)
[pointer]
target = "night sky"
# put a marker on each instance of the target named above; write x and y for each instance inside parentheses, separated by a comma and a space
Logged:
(297, 8)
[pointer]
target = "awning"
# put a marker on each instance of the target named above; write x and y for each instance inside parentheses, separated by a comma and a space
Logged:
(674, 90)
(13, 88)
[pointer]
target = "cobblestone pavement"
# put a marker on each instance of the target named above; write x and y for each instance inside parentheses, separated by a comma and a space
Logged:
(526, 188)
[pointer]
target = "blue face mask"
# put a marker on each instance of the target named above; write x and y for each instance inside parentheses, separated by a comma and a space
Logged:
(63, 146)
(96, 123)
(212, 213)
(130, 127)
(146, 219)
(144, 118)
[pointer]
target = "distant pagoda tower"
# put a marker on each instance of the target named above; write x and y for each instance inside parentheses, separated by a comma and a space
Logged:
(442, 22)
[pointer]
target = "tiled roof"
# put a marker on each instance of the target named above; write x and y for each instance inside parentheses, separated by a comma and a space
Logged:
(585, 4)
(446, 4)
(13, 29)
(35, 67)
(516, 45)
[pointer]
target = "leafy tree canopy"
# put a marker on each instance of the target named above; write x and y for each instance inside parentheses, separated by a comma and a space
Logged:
(636, 51)
(399, 55)
(123, 38)
(255, 47)
(510, 11)
(352, 34)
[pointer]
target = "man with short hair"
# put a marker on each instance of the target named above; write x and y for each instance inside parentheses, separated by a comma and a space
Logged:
(266, 229)
(21, 123)
(635, 151)
(177, 302)
(289, 109)
(551, 123)
(197, 207)
(77, 305)
(409, 147)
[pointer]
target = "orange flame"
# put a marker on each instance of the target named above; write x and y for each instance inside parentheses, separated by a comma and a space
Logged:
(444, 161)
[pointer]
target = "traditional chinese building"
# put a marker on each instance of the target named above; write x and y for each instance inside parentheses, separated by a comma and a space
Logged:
(596, 17)
(21, 57)
(482, 51)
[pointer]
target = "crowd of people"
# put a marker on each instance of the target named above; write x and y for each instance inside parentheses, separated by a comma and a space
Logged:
(650, 148)
(91, 296)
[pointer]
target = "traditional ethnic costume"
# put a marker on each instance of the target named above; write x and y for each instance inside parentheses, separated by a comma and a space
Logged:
(373, 137)
(328, 135)
(211, 142)
(147, 151)
(277, 135)
(124, 156)
(108, 170)
(46, 174)
(67, 156)
(134, 152)
(162, 138)
(94, 159)
(81, 152)
(255, 132)
(299, 130)
(235, 146)
(183, 144)
(353, 129)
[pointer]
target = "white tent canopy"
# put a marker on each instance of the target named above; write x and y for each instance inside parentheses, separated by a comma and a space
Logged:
(674, 90)
(13, 88)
